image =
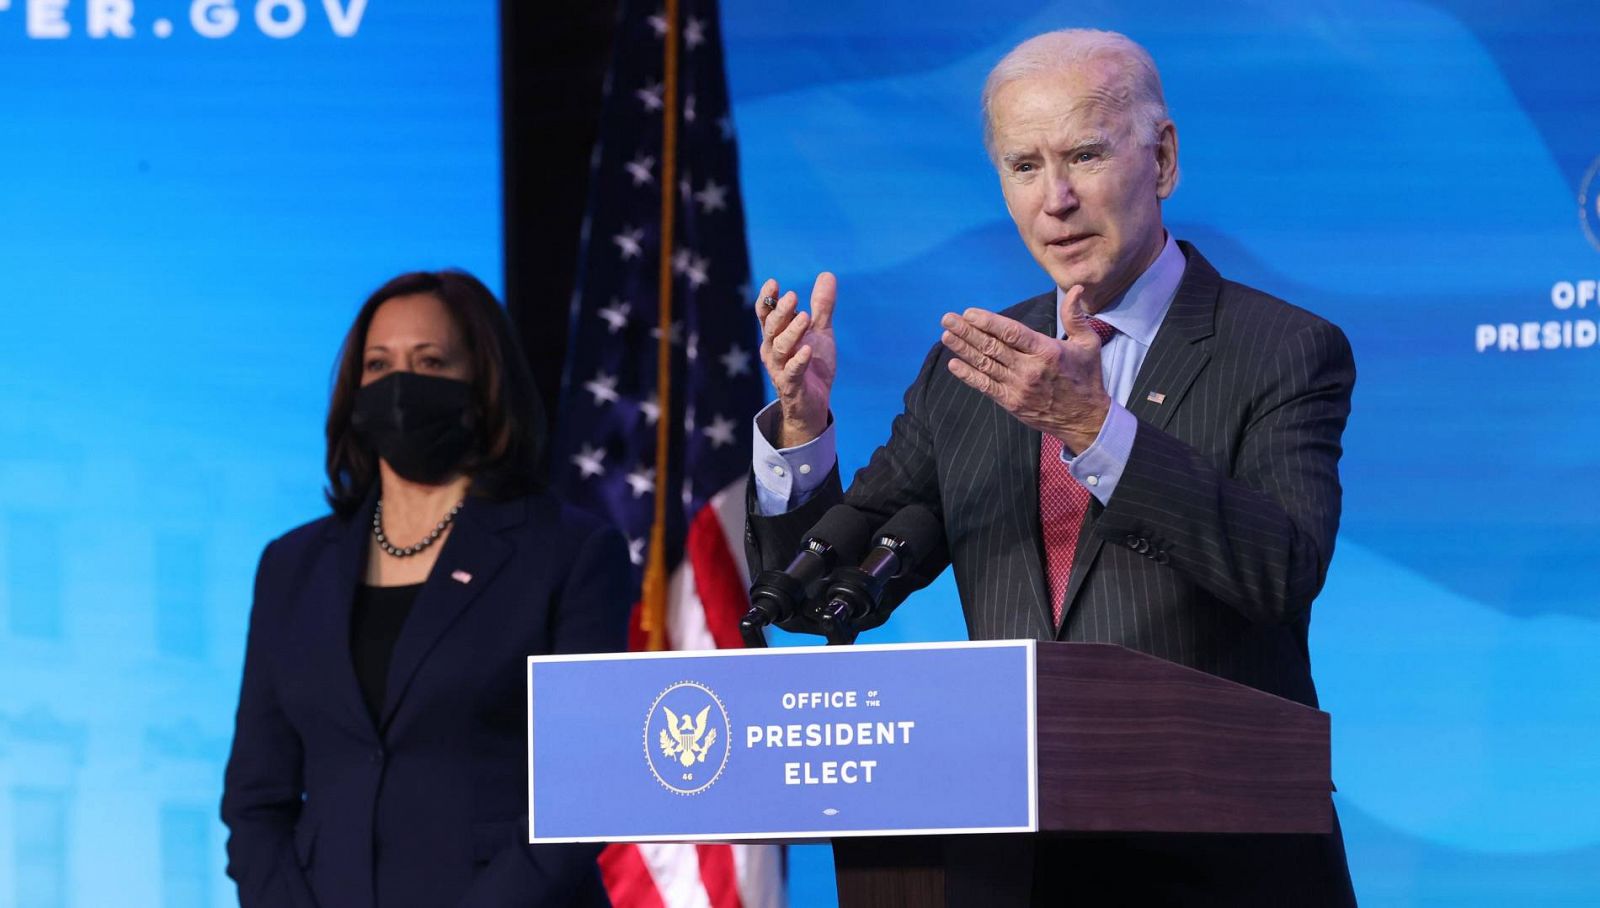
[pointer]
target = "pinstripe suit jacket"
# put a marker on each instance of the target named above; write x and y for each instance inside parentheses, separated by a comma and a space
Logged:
(1219, 533)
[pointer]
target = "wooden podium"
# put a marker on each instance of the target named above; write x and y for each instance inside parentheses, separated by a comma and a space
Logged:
(902, 754)
(1131, 743)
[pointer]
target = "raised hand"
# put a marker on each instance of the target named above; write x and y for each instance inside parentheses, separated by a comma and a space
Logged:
(1052, 385)
(798, 353)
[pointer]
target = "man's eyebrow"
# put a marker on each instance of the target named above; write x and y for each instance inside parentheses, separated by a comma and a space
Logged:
(1012, 157)
(1092, 140)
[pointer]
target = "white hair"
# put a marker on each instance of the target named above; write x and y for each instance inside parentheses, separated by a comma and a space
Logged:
(1136, 85)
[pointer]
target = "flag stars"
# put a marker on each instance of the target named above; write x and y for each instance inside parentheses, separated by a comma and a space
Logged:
(641, 169)
(676, 334)
(695, 268)
(720, 431)
(696, 272)
(651, 408)
(616, 315)
(712, 198)
(736, 361)
(627, 411)
(590, 461)
(650, 96)
(603, 387)
(630, 243)
(694, 33)
(642, 481)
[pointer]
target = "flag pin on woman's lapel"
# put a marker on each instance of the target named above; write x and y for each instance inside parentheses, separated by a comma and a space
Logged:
(461, 576)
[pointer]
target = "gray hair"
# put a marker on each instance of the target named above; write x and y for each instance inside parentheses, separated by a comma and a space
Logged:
(1137, 85)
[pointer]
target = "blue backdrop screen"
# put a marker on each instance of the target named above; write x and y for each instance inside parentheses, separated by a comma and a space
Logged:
(195, 196)
(1419, 173)
(187, 225)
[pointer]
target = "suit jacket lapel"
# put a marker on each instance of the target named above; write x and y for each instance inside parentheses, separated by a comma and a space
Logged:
(1176, 357)
(330, 591)
(472, 555)
(1019, 444)
(1178, 353)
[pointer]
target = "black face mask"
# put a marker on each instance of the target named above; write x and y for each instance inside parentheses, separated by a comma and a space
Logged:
(418, 423)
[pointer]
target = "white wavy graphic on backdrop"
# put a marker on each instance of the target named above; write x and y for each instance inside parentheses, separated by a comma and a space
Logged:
(866, 175)
(1453, 720)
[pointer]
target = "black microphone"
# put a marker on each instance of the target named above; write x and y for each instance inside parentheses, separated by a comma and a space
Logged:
(838, 538)
(855, 593)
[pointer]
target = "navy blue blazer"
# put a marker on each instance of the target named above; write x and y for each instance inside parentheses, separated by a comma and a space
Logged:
(427, 807)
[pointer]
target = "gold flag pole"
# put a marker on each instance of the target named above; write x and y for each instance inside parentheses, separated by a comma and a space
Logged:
(653, 603)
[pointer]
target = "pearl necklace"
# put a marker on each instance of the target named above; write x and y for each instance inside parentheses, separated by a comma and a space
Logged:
(432, 537)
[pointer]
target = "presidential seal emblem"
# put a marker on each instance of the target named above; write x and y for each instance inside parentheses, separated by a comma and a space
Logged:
(686, 736)
(1589, 204)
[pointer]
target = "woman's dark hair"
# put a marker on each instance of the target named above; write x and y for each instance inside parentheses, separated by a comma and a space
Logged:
(507, 411)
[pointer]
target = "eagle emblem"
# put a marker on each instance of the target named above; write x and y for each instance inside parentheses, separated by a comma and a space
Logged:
(686, 743)
(682, 738)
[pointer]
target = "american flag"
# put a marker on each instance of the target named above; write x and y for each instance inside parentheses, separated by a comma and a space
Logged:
(683, 511)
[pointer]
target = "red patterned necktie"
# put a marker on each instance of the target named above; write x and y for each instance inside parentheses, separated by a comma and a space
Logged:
(1062, 503)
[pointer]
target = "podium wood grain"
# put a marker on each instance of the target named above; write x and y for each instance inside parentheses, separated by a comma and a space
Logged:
(1128, 742)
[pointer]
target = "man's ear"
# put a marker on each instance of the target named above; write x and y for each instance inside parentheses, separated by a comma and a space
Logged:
(1166, 160)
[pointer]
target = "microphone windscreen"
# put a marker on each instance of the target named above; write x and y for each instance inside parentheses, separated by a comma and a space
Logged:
(916, 526)
(846, 529)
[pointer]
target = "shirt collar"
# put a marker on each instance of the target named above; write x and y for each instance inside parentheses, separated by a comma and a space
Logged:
(1139, 310)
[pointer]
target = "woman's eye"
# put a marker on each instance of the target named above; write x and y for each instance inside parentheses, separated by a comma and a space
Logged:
(375, 365)
(432, 362)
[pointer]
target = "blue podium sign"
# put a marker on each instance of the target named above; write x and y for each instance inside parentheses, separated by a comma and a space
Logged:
(799, 743)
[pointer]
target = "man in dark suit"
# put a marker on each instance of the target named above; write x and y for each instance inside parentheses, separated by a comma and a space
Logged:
(1146, 455)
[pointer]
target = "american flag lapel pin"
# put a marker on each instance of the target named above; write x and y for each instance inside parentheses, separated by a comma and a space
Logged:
(1155, 397)
(461, 576)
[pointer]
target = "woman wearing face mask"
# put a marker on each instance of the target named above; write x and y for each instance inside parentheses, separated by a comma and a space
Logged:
(379, 752)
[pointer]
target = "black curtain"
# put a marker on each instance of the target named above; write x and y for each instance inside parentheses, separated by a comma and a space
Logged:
(553, 58)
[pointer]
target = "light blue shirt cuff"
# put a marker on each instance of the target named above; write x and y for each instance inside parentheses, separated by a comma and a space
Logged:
(1100, 466)
(787, 478)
